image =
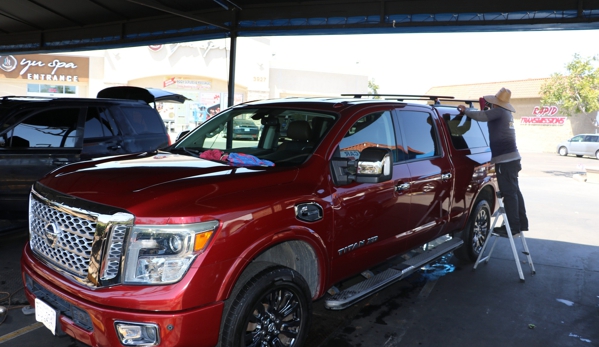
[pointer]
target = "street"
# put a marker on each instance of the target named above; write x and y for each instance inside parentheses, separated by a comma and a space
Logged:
(449, 304)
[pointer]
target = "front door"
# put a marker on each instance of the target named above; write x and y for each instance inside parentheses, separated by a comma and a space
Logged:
(368, 216)
(31, 146)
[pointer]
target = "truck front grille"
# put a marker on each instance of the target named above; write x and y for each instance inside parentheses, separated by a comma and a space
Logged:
(62, 238)
(81, 240)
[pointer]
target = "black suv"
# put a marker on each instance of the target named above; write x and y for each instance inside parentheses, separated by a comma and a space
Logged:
(38, 135)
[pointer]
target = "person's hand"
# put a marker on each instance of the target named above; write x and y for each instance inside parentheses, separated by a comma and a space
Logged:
(461, 108)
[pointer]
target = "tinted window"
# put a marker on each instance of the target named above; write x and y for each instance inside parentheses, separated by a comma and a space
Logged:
(465, 132)
(421, 135)
(144, 120)
(99, 123)
(373, 130)
(590, 138)
(47, 129)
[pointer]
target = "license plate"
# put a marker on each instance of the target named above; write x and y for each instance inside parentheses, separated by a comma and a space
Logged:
(46, 314)
(246, 129)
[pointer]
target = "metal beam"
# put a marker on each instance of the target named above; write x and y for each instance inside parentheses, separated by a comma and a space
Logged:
(159, 7)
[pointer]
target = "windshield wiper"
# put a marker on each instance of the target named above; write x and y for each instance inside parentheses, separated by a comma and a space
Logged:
(189, 151)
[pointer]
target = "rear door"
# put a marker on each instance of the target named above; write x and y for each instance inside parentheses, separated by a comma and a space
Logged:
(590, 144)
(432, 174)
(32, 144)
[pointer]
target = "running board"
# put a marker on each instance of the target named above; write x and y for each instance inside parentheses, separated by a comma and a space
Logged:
(363, 289)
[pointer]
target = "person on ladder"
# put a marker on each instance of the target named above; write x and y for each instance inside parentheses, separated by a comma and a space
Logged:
(505, 156)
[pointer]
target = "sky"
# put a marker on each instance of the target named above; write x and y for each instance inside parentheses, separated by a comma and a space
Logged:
(413, 63)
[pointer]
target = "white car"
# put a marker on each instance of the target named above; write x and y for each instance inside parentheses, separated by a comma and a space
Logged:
(583, 144)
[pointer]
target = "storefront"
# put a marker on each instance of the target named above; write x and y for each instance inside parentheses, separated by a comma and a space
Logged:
(44, 75)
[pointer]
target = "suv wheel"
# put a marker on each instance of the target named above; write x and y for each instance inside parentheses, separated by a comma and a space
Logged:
(273, 309)
(476, 232)
(563, 151)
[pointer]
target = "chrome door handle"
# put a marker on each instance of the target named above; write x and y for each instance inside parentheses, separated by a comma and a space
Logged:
(402, 187)
(446, 176)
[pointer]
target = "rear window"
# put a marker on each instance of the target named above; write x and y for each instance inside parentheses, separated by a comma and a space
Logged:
(144, 120)
(465, 132)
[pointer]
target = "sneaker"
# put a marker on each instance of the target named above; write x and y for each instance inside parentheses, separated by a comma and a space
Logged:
(502, 231)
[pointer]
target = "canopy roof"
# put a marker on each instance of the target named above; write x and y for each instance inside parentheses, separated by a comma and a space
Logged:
(28, 26)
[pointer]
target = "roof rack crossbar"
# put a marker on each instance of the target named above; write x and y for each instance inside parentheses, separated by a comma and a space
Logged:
(425, 97)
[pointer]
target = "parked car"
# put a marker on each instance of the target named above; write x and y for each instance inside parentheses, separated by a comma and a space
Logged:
(237, 239)
(579, 145)
(245, 129)
(38, 135)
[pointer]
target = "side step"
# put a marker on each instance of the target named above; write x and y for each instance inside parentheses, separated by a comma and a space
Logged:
(363, 289)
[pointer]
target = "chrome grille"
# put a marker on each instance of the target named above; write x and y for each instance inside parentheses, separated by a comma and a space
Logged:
(62, 238)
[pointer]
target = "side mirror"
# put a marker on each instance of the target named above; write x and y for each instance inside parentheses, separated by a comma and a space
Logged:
(374, 165)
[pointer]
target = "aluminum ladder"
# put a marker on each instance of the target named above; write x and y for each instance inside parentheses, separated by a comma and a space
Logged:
(501, 213)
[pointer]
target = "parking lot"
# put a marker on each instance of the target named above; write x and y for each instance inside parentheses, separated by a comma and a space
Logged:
(447, 304)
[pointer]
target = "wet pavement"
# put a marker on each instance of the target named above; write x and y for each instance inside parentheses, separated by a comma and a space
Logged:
(448, 304)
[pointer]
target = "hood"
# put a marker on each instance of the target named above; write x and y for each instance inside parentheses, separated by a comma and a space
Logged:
(163, 184)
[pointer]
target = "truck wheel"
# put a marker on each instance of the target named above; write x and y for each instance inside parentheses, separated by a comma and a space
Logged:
(476, 232)
(272, 309)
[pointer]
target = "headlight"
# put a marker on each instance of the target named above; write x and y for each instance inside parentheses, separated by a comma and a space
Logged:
(161, 254)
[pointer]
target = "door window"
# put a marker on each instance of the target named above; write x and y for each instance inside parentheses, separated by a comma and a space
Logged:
(99, 123)
(54, 128)
(144, 120)
(373, 130)
(421, 135)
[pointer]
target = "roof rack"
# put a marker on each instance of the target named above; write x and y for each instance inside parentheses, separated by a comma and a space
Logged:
(466, 101)
(402, 96)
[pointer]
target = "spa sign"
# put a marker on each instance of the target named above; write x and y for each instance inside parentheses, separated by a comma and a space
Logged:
(37, 67)
(544, 115)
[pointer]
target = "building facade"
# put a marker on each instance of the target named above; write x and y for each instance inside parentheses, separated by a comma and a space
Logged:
(198, 70)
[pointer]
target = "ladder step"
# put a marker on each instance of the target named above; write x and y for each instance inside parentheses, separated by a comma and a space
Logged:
(377, 282)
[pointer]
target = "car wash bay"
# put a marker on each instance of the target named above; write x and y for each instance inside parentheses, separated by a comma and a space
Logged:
(446, 304)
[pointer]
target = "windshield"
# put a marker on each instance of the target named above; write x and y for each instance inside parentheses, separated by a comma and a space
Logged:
(258, 136)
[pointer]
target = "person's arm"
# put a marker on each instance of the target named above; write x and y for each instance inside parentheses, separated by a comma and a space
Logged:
(480, 116)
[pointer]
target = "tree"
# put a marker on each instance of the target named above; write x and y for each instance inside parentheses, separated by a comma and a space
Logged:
(373, 88)
(577, 91)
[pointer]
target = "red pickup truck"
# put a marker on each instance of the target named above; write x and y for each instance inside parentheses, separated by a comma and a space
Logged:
(218, 241)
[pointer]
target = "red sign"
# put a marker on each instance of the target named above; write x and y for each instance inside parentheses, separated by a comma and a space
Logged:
(543, 120)
(544, 116)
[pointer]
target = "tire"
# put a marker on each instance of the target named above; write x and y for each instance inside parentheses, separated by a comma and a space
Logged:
(597, 154)
(273, 309)
(563, 151)
(476, 232)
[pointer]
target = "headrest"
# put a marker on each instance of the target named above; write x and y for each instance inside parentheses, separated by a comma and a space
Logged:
(299, 130)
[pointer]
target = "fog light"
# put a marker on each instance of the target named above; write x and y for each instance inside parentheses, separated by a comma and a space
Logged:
(137, 334)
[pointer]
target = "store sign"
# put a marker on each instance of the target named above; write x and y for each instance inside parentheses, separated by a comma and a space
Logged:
(45, 68)
(203, 46)
(180, 83)
(544, 115)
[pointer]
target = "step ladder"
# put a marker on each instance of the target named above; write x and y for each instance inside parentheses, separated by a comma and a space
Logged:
(492, 235)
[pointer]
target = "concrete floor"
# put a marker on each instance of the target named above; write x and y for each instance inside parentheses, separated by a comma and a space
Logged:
(450, 304)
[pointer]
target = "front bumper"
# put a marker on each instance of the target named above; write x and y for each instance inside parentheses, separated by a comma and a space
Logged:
(93, 324)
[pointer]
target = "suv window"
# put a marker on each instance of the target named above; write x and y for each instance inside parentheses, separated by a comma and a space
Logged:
(590, 138)
(421, 135)
(373, 130)
(465, 132)
(99, 123)
(54, 128)
(143, 120)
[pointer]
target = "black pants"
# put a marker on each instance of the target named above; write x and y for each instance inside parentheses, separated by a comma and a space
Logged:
(507, 179)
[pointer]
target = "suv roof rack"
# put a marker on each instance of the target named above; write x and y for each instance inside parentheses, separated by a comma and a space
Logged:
(466, 101)
(402, 96)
